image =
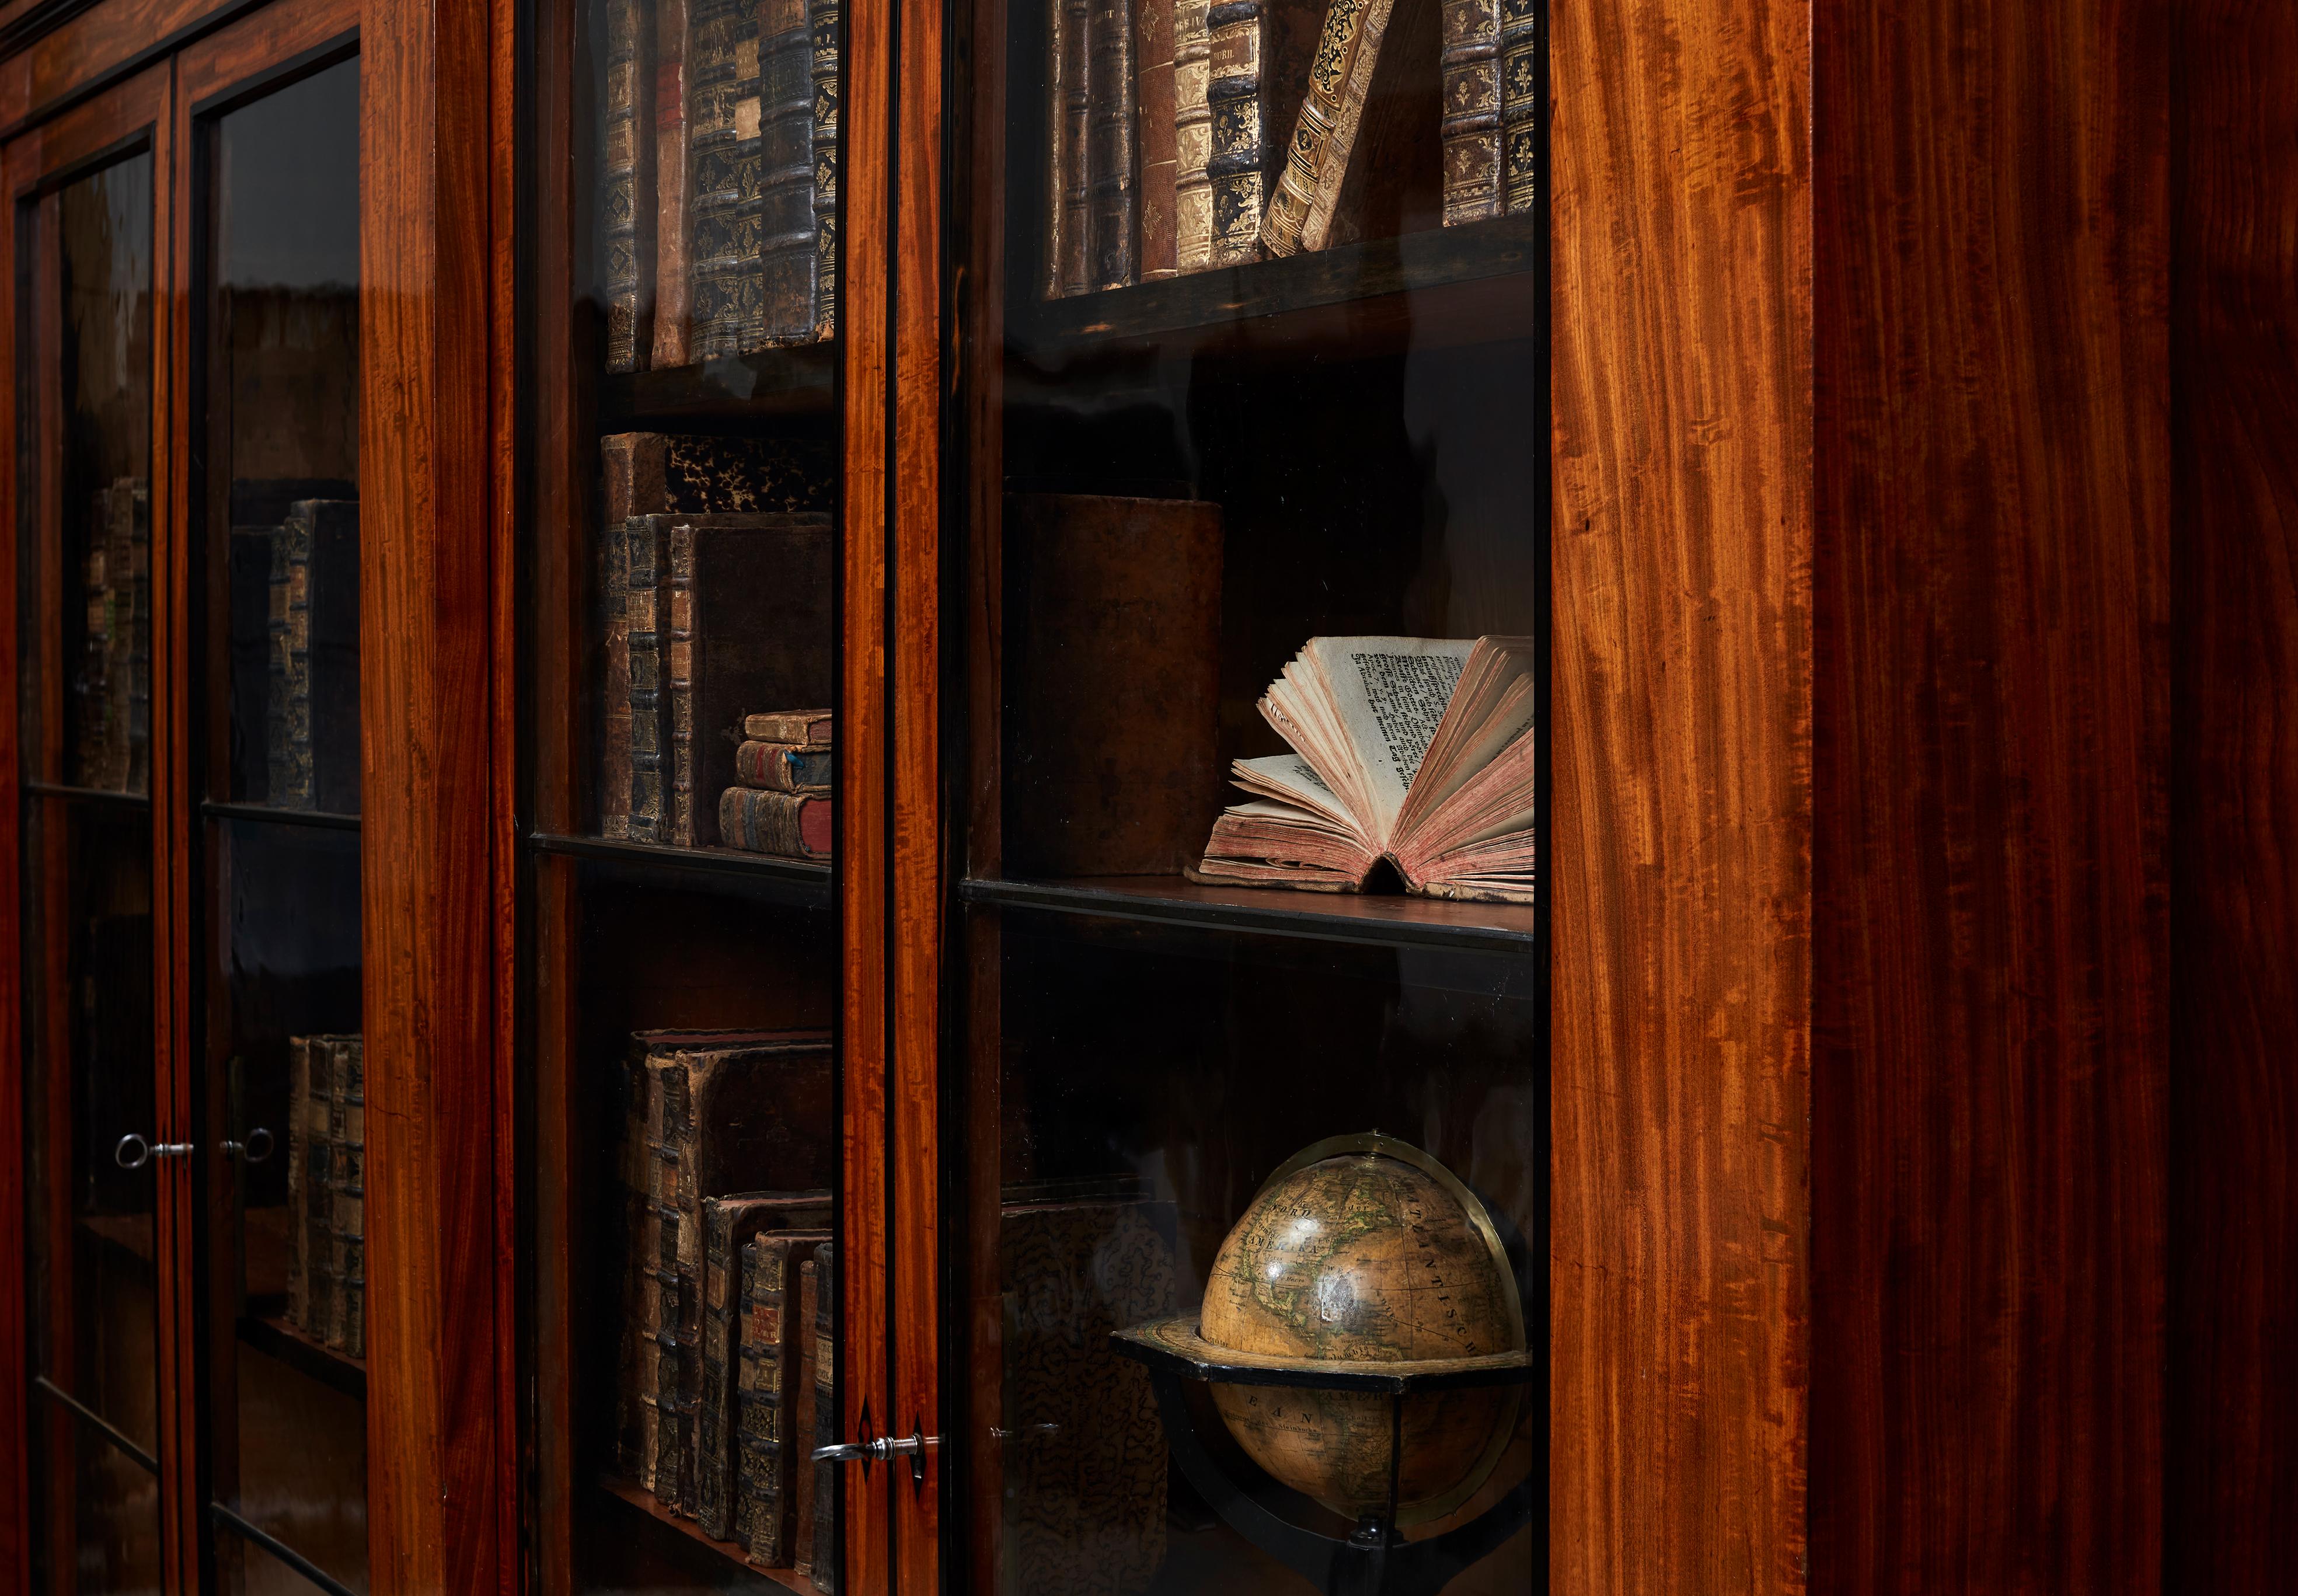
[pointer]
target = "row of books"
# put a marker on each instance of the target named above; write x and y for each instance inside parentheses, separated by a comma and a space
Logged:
(729, 1293)
(294, 669)
(326, 1206)
(714, 595)
(1183, 135)
(719, 194)
(111, 688)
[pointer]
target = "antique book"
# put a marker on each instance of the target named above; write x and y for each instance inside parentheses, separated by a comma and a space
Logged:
(1068, 184)
(805, 728)
(786, 242)
(730, 1224)
(1472, 110)
(1193, 136)
(1153, 96)
(807, 1307)
(723, 286)
(1324, 133)
(641, 1242)
(825, 1566)
(790, 825)
(646, 609)
(769, 1447)
(633, 480)
(249, 578)
(670, 178)
(626, 213)
(822, 16)
(1415, 750)
(91, 697)
(1085, 1473)
(314, 727)
(112, 687)
(744, 618)
(346, 1206)
(783, 766)
(1109, 145)
(299, 1158)
(1520, 58)
(318, 1217)
(1233, 90)
(1112, 670)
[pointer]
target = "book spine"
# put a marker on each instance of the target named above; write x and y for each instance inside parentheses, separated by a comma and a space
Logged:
(765, 1440)
(1110, 144)
(1318, 155)
(722, 134)
(801, 1413)
(825, 1566)
(714, 1456)
(671, 174)
(1519, 105)
(615, 734)
(318, 1192)
(786, 228)
(646, 602)
(279, 754)
(782, 823)
(1234, 160)
(135, 645)
(299, 1114)
(677, 1357)
(804, 728)
(1193, 133)
(1471, 125)
(347, 1129)
(679, 649)
(620, 198)
(1153, 98)
(823, 16)
(780, 767)
(637, 1276)
(1073, 190)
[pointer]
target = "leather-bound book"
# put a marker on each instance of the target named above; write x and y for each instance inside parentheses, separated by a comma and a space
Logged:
(729, 1226)
(1325, 131)
(671, 176)
(646, 609)
(347, 1197)
(1520, 103)
(1472, 110)
(795, 728)
(769, 1447)
(1072, 185)
(1084, 1479)
(1109, 239)
(315, 607)
(786, 228)
(317, 1219)
(1154, 104)
(634, 483)
(749, 624)
(802, 1425)
(1235, 157)
(783, 766)
(626, 215)
(1112, 682)
(640, 1240)
(790, 825)
(722, 127)
(250, 662)
(825, 1566)
(821, 18)
(299, 1157)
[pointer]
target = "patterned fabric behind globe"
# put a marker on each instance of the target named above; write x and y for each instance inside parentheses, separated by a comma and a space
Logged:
(1361, 1258)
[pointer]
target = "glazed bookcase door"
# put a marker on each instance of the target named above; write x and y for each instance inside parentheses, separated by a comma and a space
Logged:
(97, 1155)
(1244, 1130)
(268, 688)
(696, 782)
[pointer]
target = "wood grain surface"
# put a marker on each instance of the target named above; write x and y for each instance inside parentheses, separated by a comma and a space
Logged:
(88, 49)
(1989, 942)
(1681, 261)
(2231, 1471)
(434, 345)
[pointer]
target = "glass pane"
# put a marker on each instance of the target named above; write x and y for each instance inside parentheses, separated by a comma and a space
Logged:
(281, 1059)
(682, 985)
(1249, 473)
(84, 580)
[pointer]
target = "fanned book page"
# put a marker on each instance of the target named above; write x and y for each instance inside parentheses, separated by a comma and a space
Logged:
(1416, 750)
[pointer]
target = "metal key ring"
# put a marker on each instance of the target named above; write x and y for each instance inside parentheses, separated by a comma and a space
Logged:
(142, 1155)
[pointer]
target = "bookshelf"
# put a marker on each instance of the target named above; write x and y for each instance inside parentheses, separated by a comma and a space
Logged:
(1511, 930)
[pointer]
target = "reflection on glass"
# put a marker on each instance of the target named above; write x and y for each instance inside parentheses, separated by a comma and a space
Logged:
(102, 1508)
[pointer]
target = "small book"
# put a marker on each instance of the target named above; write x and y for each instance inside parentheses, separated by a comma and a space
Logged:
(790, 825)
(731, 1229)
(782, 767)
(767, 1445)
(805, 728)
(1416, 750)
(1317, 158)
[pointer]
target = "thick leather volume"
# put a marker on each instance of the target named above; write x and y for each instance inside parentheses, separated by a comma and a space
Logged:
(1192, 137)
(822, 18)
(646, 605)
(1112, 679)
(769, 1446)
(731, 1227)
(790, 825)
(1110, 242)
(825, 1568)
(671, 332)
(1324, 132)
(783, 766)
(1234, 158)
(721, 125)
(625, 192)
(797, 728)
(347, 1197)
(807, 1306)
(786, 242)
(1072, 189)
(1472, 110)
(750, 627)
(1153, 77)
(1519, 104)
(634, 482)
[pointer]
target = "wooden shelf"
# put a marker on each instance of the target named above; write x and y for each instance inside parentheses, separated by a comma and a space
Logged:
(1395, 922)
(276, 1338)
(1438, 286)
(775, 384)
(267, 815)
(800, 881)
(639, 1501)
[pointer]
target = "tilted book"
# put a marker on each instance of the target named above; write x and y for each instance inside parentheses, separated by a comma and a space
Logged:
(1324, 133)
(1417, 750)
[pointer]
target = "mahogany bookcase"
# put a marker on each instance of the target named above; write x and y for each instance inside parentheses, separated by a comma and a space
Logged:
(1881, 419)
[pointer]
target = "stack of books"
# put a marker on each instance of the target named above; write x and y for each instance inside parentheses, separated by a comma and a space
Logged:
(719, 192)
(781, 802)
(327, 1163)
(112, 687)
(1183, 136)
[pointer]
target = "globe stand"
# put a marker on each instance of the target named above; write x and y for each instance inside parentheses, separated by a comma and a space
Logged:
(1374, 1558)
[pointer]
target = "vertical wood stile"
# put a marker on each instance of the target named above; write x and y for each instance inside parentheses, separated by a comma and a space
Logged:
(16, 1420)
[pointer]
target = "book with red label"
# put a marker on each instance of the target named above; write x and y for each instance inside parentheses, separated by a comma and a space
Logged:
(790, 825)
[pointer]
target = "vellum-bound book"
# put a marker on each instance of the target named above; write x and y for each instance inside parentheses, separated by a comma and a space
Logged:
(1413, 749)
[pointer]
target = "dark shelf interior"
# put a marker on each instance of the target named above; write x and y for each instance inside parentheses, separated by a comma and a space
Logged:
(801, 380)
(639, 1503)
(87, 795)
(276, 1338)
(1391, 922)
(805, 883)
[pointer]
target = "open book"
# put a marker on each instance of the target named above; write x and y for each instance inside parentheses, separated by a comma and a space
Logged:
(1415, 749)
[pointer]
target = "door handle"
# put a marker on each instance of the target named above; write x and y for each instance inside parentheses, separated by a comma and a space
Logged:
(133, 1151)
(255, 1149)
(880, 1449)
